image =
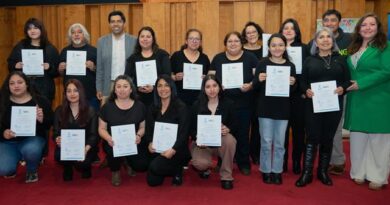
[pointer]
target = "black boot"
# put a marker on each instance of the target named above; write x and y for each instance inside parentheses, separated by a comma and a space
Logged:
(307, 175)
(323, 164)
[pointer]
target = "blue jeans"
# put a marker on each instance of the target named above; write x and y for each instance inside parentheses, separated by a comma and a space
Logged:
(272, 132)
(29, 149)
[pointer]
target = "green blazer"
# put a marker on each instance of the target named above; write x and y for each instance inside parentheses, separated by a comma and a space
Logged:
(368, 108)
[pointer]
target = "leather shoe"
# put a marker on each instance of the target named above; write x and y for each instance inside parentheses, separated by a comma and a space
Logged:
(177, 180)
(267, 178)
(204, 174)
(226, 184)
(277, 178)
(116, 178)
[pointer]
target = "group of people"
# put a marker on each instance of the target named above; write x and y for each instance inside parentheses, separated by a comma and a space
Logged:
(254, 123)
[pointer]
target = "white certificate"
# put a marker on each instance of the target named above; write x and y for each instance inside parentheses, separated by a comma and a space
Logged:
(146, 72)
(325, 99)
(72, 144)
(24, 120)
(124, 138)
(209, 130)
(192, 76)
(232, 75)
(32, 61)
(164, 136)
(265, 38)
(76, 62)
(295, 54)
(278, 81)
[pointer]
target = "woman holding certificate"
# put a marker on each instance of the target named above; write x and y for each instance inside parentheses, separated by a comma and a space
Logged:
(122, 126)
(78, 61)
(146, 63)
(275, 80)
(325, 78)
(190, 60)
(367, 113)
(36, 57)
(297, 52)
(75, 116)
(166, 134)
(213, 109)
(234, 68)
(24, 119)
(252, 34)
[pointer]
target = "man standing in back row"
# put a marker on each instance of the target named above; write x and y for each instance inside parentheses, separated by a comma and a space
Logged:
(112, 51)
(331, 19)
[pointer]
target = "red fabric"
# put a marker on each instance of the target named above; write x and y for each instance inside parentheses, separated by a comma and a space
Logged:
(247, 190)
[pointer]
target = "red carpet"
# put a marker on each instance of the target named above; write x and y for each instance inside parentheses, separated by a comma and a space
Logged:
(247, 190)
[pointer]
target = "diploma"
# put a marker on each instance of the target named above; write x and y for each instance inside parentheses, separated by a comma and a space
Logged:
(278, 81)
(32, 61)
(295, 54)
(72, 144)
(265, 38)
(192, 76)
(232, 75)
(209, 130)
(146, 72)
(23, 120)
(325, 99)
(164, 136)
(76, 62)
(124, 138)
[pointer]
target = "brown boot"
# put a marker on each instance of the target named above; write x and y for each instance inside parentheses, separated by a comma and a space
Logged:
(116, 178)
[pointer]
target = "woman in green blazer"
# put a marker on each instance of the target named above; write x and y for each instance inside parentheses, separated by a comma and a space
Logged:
(367, 111)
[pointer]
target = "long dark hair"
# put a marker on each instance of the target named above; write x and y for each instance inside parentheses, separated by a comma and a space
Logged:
(281, 36)
(184, 46)
(379, 41)
(298, 35)
(171, 84)
(257, 27)
(36, 23)
(66, 112)
(5, 92)
(203, 98)
(133, 94)
(155, 47)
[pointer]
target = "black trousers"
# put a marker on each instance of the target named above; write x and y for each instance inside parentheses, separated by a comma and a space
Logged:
(137, 162)
(297, 125)
(161, 167)
(80, 165)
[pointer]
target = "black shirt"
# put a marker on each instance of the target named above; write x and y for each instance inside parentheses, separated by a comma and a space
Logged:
(225, 108)
(258, 52)
(175, 114)
(89, 80)
(315, 70)
(43, 84)
(177, 61)
(277, 108)
(249, 60)
(41, 128)
(91, 135)
(163, 67)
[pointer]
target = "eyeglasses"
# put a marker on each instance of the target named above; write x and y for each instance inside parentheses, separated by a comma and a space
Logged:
(233, 41)
(193, 39)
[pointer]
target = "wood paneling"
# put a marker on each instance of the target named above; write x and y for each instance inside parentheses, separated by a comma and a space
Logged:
(172, 18)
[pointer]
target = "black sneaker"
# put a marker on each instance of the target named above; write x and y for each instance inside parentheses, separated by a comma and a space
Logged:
(204, 174)
(31, 177)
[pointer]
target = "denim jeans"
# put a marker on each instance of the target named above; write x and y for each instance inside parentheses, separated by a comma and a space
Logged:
(272, 150)
(29, 149)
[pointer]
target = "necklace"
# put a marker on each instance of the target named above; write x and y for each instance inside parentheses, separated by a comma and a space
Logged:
(327, 62)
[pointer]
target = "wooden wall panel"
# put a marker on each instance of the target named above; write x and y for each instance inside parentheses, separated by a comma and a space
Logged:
(135, 18)
(68, 15)
(382, 7)
(257, 9)
(157, 15)
(22, 15)
(273, 17)
(208, 21)
(178, 25)
(293, 9)
(241, 15)
(104, 10)
(226, 21)
(93, 23)
(350, 8)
